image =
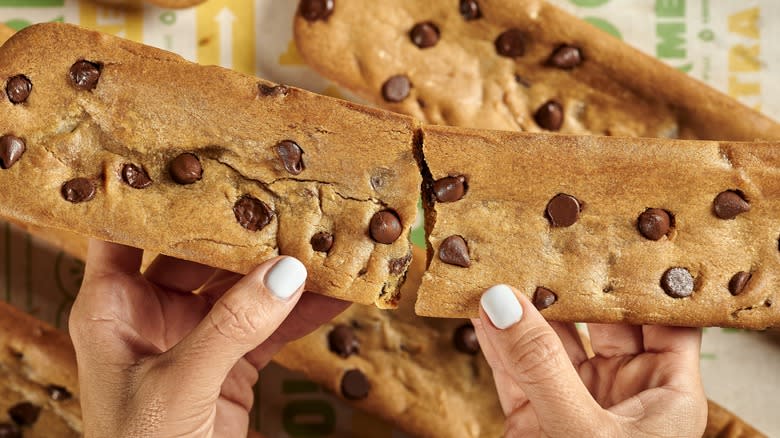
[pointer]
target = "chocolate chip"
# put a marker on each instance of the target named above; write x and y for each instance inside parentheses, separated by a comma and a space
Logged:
(355, 385)
(58, 393)
(385, 227)
(511, 43)
(396, 88)
(738, 282)
(85, 75)
(272, 90)
(449, 188)
(549, 116)
(11, 149)
(654, 223)
(291, 155)
(469, 9)
(565, 57)
(18, 89)
(135, 176)
(322, 241)
(677, 282)
(8, 430)
(252, 213)
(424, 35)
(729, 204)
(24, 413)
(563, 210)
(342, 341)
(465, 339)
(186, 169)
(454, 251)
(78, 190)
(544, 298)
(316, 9)
(397, 266)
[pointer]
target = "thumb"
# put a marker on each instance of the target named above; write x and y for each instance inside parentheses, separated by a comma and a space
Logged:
(530, 353)
(245, 316)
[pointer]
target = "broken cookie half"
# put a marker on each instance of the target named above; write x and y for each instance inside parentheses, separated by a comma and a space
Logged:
(135, 145)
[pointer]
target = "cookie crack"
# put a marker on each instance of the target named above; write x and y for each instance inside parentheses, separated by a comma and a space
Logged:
(426, 189)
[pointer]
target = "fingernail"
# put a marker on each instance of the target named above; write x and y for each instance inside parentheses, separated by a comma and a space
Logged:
(285, 277)
(501, 306)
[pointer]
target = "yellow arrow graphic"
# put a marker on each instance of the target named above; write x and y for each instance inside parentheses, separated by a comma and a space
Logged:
(226, 34)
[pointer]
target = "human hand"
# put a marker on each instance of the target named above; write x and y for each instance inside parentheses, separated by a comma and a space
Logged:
(642, 382)
(156, 360)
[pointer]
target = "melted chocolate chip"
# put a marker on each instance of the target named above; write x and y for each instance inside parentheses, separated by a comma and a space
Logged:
(313, 10)
(272, 90)
(449, 188)
(11, 149)
(565, 57)
(135, 176)
(85, 75)
(24, 413)
(654, 223)
(454, 251)
(397, 266)
(465, 339)
(549, 116)
(385, 227)
(738, 282)
(544, 298)
(424, 35)
(469, 10)
(729, 204)
(677, 282)
(58, 393)
(563, 210)
(291, 155)
(355, 385)
(18, 89)
(78, 190)
(342, 341)
(511, 43)
(322, 241)
(8, 430)
(252, 213)
(186, 169)
(396, 88)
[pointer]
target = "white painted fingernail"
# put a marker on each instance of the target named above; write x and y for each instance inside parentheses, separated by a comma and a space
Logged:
(501, 306)
(285, 277)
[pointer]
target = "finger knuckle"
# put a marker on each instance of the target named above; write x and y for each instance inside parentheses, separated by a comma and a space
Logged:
(534, 351)
(236, 322)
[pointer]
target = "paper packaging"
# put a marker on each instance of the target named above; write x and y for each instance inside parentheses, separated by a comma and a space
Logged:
(729, 45)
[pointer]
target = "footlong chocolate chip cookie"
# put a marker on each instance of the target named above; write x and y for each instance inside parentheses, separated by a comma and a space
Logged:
(138, 146)
(39, 386)
(511, 65)
(132, 144)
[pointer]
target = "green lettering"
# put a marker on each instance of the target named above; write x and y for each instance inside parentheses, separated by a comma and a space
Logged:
(306, 418)
(672, 44)
(670, 8)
